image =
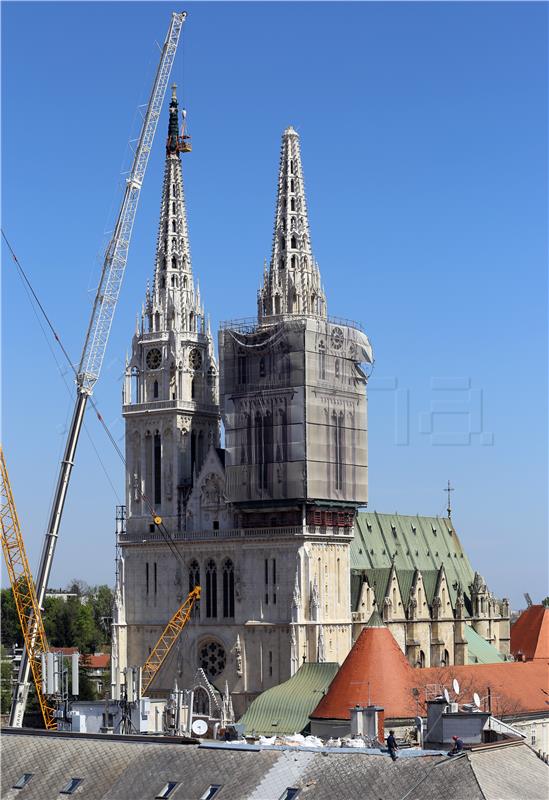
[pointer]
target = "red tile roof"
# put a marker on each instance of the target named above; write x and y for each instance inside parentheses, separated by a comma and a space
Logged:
(376, 660)
(97, 661)
(530, 633)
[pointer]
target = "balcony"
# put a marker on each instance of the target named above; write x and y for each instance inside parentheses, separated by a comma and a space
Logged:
(308, 531)
(169, 405)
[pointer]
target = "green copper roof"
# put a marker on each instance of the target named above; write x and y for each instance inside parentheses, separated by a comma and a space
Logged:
(411, 543)
(285, 709)
(480, 651)
(375, 621)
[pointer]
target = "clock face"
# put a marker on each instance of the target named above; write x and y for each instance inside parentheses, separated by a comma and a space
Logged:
(337, 338)
(154, 358)
(195, 359)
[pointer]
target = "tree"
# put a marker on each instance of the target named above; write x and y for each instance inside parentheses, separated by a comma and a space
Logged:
(545, 602)
(11, 630)
(5, 686)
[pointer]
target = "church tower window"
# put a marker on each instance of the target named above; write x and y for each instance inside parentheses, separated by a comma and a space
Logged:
(211, 589)
(174, 226)
(228, 589)
(155, 389)
(294, 243)
(157, 460)
(292, 204)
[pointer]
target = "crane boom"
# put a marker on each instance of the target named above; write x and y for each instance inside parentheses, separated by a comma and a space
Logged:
(22, 585)
(168, 639)
(98, 331)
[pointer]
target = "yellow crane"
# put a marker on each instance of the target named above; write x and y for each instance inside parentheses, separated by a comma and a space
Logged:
(168, 639)
(24, 592)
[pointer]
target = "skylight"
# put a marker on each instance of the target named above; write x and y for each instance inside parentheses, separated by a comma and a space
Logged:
(71, 786)
(211, 791)
(167, 790)
(23, 780)
(289, 793)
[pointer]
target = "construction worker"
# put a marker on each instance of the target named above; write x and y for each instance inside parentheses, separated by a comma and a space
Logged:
(457, 749)
(392, 745)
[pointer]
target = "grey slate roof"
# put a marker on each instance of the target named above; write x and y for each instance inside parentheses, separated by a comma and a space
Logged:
(117, 769)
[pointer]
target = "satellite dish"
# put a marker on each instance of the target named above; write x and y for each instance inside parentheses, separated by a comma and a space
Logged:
(476, 700)
(446, 695)
(455, 685)
(199, 727)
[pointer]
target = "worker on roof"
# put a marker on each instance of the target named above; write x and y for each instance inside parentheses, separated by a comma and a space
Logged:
(392, 745)
(457, 749)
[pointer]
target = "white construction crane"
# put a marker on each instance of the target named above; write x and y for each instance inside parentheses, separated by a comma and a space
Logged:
(97, 335)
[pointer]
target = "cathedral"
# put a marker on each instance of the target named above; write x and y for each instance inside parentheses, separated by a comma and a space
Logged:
(272, 526)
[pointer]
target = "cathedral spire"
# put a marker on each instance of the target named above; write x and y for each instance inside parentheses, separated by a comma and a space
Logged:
(292, 284)
(172, 304)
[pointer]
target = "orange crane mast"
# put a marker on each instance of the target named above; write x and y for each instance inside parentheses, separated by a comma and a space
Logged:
(24, 592)
(168, 639)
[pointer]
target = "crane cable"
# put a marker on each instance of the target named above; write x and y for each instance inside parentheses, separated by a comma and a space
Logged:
(158, 520)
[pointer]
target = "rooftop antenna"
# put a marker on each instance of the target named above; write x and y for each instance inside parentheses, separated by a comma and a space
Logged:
(528, 599)
(449, 489)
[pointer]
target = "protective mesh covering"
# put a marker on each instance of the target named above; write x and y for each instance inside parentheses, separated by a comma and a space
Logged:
(294, 407)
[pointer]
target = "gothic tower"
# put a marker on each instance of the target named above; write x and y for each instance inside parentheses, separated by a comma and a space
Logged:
(171, 380)
(293, 390)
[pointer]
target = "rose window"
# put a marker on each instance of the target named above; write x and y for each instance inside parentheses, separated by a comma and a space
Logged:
(212, 659)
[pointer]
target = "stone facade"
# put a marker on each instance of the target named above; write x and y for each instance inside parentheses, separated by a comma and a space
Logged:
(265, 526)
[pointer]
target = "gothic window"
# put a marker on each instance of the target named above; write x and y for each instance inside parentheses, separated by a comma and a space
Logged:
(193, 388)
(173, 280)
(259, 449)
(185, 282)
(445, 658)
(201, 701)
(294, 243)
(163, 282)
(273, 576)
(268, 446)
(338, 437)
(193, 451)
(294, 262)
(249, 437)
(174, 226)
(421, 662)
(174, 242)
(262, 367)
(292, 204)
(135, 385)
(194, 580)
(282, 263)
(157, 460)
(266, 581)
(155, 389)
(283, 224)
(155, 578)
(228, 588)
(336, 367)
(174, 262)
(322, 361)
(200, 451)
(292, 166)
(242, 368)
(211, 589)
(147, 576)
(174, 190)
(211, 376)
(292, 186)
(212, 659)
(173, 208)
(283, 243)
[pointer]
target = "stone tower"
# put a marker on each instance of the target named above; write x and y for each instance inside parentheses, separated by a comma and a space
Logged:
(293, 390)
(171, 380)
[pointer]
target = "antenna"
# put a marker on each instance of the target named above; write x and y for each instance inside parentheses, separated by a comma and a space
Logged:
(455, 686)
(528, 599)
(449, 489)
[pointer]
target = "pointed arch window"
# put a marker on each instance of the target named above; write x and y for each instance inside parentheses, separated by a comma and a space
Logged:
(155, 390)
(282, 263)
(174, 242)
(174, 262)
(292, 166)
(283, 243)
(163, 282)
(294, 243)
(228, 588)
(292, 204)
(157, 461)
(184, 281)
(193, 388)
(173, 208)
(294, 262)
(174, 226)
(322, 361)
(211, 589)
(174, 190)
(262, 367)
(194, 580)
(339, 446)
(292, 186)
(259, 449)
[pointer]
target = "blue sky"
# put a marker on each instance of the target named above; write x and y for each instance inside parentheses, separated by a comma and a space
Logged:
(424, 143)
